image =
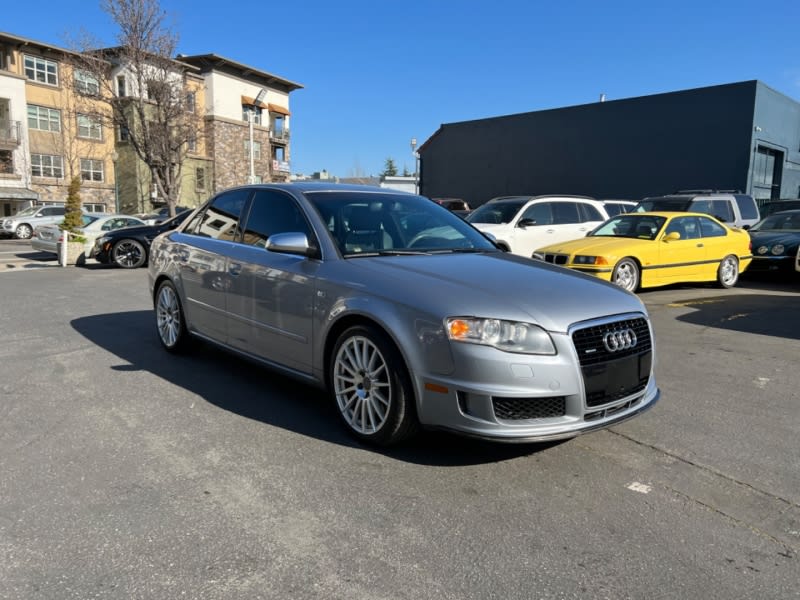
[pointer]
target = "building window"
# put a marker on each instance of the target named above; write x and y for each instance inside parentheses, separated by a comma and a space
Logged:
(43, 118)
(254, 110)
(94, 208)
(279, 153)
(190, 102)
(6, 161)
(192, 142)
(278, 124)
(256, 149)
(90, 127)
(46, 165)
(200, 179)
(86, 83)
(91, 170)
(123, 133)
(41, 70)
(121, 91)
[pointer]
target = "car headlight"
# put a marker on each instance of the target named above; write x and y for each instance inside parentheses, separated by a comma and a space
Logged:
(777, 249)
(509, 336)
(102, 240)
(589, 260)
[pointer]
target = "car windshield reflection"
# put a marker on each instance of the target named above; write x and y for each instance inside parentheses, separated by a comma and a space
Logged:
(393, 225)
(631, 226)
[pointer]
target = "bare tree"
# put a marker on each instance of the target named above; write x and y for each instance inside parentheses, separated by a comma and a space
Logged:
(146, 90)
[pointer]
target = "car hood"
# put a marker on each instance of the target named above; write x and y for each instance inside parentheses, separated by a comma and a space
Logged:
(136, 230)
(490, 226)
(771, 238)
(495, 285)
(597, 246)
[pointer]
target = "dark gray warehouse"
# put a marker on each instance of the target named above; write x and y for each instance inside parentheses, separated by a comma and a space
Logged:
(740, 136)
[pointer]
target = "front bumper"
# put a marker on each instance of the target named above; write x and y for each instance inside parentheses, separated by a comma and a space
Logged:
(518, 398)
(767, 264)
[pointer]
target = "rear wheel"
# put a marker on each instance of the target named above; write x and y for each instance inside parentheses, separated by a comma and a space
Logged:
(728, 272)
(371, 387)
(170, 320)
(24, 232)
(626, 274)
(128, 254)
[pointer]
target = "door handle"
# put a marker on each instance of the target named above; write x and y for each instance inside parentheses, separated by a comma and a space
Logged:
(234, 269)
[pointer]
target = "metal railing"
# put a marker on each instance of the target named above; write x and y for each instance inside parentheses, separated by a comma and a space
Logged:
(10, 132)
(281, 136)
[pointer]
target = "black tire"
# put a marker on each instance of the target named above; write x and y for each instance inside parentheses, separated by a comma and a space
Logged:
(626, 274)
(129, 254)
(371, 387)
(170, 319)
(24, 232)
(728, 272)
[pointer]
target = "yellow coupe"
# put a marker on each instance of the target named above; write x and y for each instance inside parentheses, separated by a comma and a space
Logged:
(636, 250)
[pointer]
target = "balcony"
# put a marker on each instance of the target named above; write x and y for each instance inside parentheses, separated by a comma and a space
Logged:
(10, 134)
(280, 136)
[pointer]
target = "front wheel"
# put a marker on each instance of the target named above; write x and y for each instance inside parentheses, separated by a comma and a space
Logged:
(728, 272)
(170, 320)
(626, 275)
(24, 232)
(128, 254)
(371, 387)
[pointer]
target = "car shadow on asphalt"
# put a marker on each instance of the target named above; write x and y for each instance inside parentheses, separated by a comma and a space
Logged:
(764, 314)
(255, 392)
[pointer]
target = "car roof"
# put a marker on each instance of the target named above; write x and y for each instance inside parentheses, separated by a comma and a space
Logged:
(500, 199)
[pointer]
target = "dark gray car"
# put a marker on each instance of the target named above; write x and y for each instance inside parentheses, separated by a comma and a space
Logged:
(408, 315)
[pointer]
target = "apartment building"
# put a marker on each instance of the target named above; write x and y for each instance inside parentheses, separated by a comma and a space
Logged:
(56, 123)
(50, 129)
(245, 107)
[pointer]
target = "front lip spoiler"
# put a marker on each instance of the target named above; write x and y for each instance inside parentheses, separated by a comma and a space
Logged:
(552, 437)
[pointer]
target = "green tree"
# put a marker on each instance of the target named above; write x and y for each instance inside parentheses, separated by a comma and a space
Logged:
(389, 168)
(72, 208)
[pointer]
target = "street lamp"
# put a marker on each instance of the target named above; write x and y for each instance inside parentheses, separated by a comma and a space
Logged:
(251, 117)
(114, 159)
(416, 164)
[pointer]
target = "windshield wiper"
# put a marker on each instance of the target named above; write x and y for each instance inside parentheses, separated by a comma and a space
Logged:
(397, 252)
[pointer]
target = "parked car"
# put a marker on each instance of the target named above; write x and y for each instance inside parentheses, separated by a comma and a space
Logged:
(22, 224)
(637, 250)
(616, 207)
(521, 224)
(457, 205)
(778, 206)
(161, 215)
(47, 237)
(407, 315)
(776, 240)
(731, 208)
(129, 248)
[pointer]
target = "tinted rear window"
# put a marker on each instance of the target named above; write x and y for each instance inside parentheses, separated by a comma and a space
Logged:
(679, 204)
(747, 206)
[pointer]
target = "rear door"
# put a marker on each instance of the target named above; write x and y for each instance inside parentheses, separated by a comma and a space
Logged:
(203, 252)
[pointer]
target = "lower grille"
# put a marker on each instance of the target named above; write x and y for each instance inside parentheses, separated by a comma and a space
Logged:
(518, 409)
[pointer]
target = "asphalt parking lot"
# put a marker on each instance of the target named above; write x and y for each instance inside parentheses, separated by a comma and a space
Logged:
(131, 473)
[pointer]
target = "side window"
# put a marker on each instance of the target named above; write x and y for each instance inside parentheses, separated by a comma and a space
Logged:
(273, 212)
(709, 228)
(220, 220)
(685, 226)
(722, 210)
(747, 206)
(541, 213)
(565, 213)
(590, 213)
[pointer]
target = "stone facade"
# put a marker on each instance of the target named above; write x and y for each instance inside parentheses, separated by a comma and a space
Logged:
(226, 142)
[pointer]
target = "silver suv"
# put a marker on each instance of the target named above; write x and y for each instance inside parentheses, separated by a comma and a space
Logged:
(22, 224)
(730, 207)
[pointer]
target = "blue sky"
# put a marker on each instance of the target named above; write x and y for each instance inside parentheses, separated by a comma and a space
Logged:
(376, 74)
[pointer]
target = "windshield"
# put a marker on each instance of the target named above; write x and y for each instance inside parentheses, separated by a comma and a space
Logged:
(497, 213)
(666, 203)
(631, 226)
(787, 221)
(28, 211)
(88, 219)
(369, 224)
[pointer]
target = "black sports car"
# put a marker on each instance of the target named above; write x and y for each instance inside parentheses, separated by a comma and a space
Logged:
(129, 249)
(775, 240)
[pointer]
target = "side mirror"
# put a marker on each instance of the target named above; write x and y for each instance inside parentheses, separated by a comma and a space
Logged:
(523, 223)
(672, 236)
(292, 242)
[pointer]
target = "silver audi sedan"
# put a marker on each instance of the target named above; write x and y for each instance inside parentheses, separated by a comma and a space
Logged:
(405, 313)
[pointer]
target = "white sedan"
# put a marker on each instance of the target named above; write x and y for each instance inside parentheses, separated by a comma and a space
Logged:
(47, 237)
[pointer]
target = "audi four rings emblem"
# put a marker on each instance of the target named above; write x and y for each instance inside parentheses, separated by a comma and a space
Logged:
(619, 339)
